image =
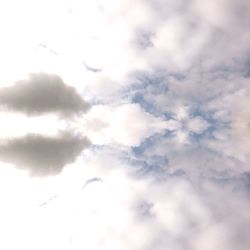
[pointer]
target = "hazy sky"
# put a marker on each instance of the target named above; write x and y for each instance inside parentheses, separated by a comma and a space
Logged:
(125, 125)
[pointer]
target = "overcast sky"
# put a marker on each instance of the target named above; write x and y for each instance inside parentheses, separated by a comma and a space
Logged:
(125, 125)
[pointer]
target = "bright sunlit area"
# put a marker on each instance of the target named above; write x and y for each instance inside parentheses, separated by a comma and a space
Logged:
(125, 125)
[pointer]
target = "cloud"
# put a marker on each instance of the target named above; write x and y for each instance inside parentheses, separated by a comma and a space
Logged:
(124, 211)
(170, 80)
(42, 155)
(42, 93)
(176, 37)
(126, 124)
(211, 116)
(197, 125)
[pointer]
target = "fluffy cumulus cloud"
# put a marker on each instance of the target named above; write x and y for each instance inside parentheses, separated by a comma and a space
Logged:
(42, 93)
(42, 155)
(166, 162)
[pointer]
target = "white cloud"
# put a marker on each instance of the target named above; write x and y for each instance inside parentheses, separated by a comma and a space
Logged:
(120, 211)
(232, 139)
(127, 125)
(106, 35)
(197, 125)
(202, 48)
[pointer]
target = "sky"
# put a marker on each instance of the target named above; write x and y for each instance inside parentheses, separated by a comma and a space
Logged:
(125, 125)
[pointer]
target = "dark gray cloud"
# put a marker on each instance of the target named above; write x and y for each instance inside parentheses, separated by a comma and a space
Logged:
(42, 93)
(42, 155)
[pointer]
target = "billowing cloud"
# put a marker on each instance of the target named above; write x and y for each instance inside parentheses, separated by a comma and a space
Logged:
(42, 155)
(42, 93)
